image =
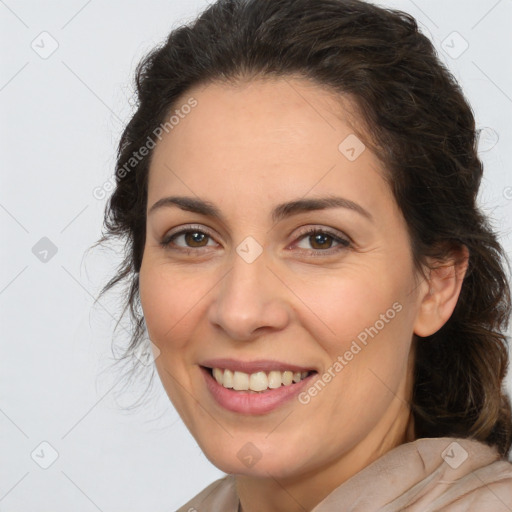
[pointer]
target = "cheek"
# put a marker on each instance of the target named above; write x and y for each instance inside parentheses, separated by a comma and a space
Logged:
(365, 334)
(345, 306)
(167, 300)
(364, 319)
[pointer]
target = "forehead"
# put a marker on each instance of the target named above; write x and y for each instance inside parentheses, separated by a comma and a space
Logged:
(285, 134)
(272, 109)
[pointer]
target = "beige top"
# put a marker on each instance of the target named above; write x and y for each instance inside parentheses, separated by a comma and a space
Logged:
(427, 475)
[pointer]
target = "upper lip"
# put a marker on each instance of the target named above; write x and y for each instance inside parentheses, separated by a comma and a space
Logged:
(260, 365)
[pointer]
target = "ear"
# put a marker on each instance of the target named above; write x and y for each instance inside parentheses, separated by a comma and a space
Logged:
(441, 292)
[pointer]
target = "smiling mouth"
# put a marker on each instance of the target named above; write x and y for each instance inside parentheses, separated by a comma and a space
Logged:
(258, 382)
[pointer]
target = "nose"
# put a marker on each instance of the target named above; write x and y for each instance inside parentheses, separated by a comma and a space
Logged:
(250, 300)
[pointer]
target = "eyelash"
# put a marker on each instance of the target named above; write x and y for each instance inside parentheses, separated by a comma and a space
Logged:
(344, 243)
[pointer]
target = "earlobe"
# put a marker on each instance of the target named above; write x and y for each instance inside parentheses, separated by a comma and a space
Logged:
(443, 289)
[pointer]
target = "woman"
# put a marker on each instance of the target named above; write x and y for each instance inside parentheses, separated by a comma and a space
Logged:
(298, 193)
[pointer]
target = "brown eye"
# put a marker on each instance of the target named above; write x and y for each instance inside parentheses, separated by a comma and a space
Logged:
(195, 238)
(188, 239)
(319, 241)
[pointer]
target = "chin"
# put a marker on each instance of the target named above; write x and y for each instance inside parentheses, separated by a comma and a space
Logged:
(244, 458)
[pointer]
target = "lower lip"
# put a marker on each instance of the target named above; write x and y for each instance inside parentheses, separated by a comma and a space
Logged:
(252, 403)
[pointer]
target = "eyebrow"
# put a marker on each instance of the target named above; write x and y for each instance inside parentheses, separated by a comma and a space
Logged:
(281, 211)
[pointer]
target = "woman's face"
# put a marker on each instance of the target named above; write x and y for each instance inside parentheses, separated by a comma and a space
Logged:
(266, 280)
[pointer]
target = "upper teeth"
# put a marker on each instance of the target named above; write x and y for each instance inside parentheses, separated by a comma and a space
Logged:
(258, 381)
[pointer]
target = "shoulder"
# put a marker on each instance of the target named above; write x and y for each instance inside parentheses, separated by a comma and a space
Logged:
(466, 475)
(488, 488)
(219, 495)
(434, 474)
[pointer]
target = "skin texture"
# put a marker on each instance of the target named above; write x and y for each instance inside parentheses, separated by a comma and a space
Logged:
(247, 148)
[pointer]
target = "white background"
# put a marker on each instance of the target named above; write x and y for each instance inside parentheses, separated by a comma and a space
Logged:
(61, 118)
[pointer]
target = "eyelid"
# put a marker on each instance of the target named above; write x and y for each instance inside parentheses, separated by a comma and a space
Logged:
(343, 240)
(180, 230)
(334, 233)
(188, 227)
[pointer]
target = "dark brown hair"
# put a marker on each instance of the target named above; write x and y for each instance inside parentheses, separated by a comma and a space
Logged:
(420, 126)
